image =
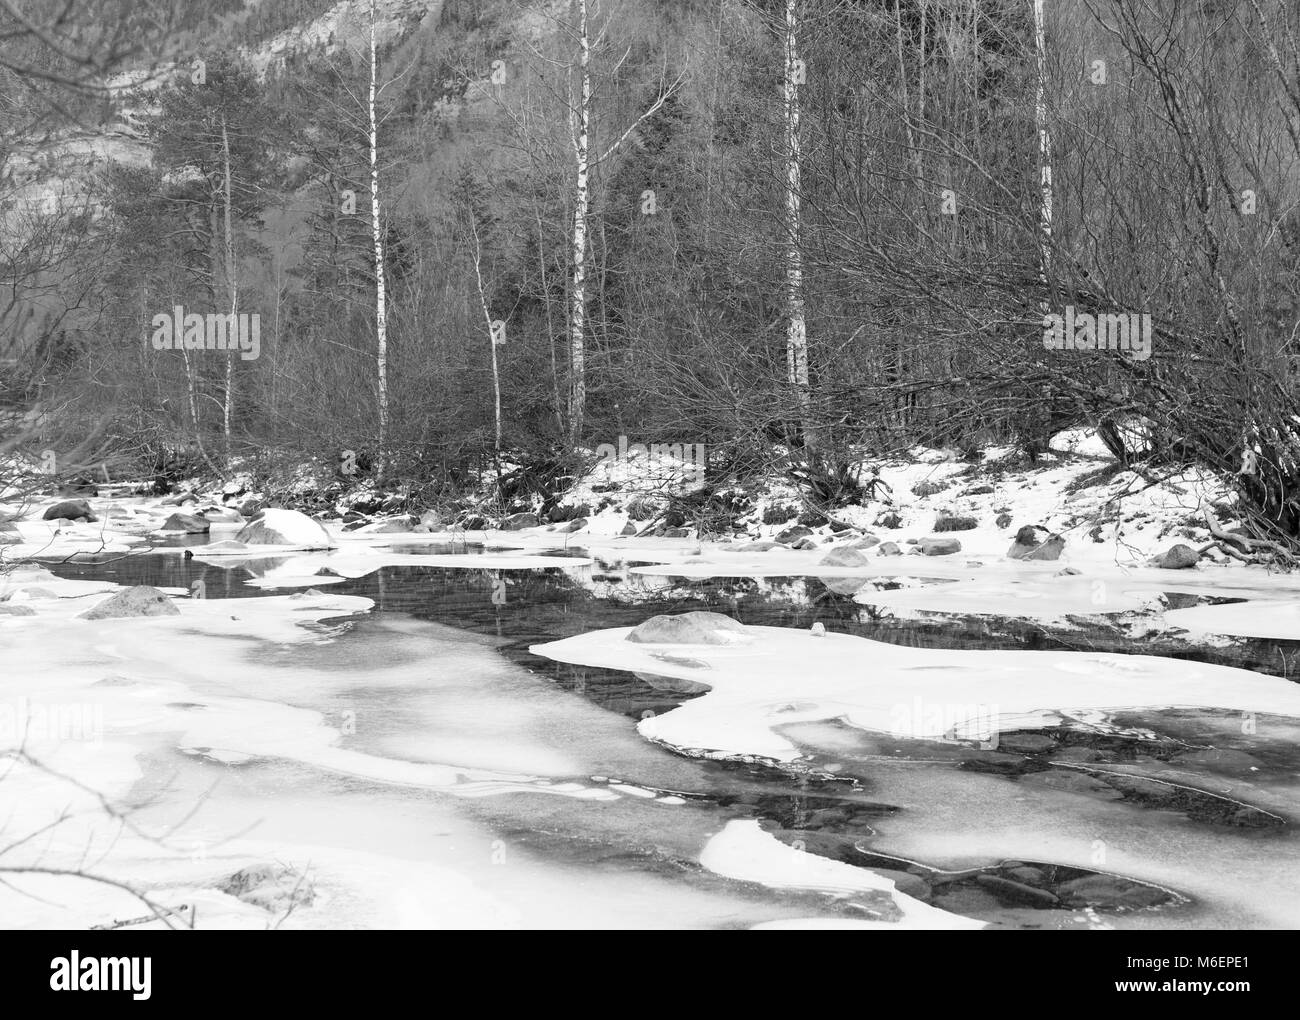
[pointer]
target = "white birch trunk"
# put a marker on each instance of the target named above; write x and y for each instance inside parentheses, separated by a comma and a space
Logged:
(797, 330)
(1044, 147)
(580, 123)
(381, 320)
(487, 319)
(232, 289)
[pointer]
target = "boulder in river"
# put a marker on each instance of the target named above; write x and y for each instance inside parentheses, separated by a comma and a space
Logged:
(517, 522)
(889, 549)
(285, 527)
(1177, 557)
(938, 546)
(844, 556)
(1029, 546)
(141, 600)
(793, 534)
(697, 628)
(69, 510)
(190, 524)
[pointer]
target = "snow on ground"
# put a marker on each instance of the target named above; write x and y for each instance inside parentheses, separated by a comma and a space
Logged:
(921, 693)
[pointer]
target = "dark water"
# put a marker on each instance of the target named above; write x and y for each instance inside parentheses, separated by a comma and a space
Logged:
(843, 802)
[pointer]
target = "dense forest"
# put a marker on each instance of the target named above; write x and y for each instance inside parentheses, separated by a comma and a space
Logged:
(478, 239)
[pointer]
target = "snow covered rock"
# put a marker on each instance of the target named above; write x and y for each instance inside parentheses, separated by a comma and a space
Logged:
(225, 514)
(845, 556)
(517, 522)
(1177, 557)
(865, 542)
(69, 510)
(889, 549)
(793, 534)
(1028, 546)
(696, 628)
(142, 600)
(285, 527)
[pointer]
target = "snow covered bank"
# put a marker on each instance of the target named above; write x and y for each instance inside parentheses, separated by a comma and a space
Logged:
(780, 676)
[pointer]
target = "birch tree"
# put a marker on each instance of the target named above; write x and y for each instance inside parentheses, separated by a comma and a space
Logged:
(796, 345)
(1044, 149)
(584, 161)
(381, 314)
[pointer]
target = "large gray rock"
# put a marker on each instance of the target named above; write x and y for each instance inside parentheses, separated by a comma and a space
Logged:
(517, 522)
(142, 600)
(938, 546)
(696, 628)
(69, 510)
(1029, 546)
(1178, 557)
(889, 549)
(188, 523)
(865, 542)
(844, 556)
(577, 524)
(793, 534)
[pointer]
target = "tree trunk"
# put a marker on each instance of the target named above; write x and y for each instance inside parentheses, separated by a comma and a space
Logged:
(381, 322)
(796, 349)
(232, 290)
(580, 121)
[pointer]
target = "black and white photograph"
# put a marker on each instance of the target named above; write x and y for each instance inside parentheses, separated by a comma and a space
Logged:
(650, 465)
